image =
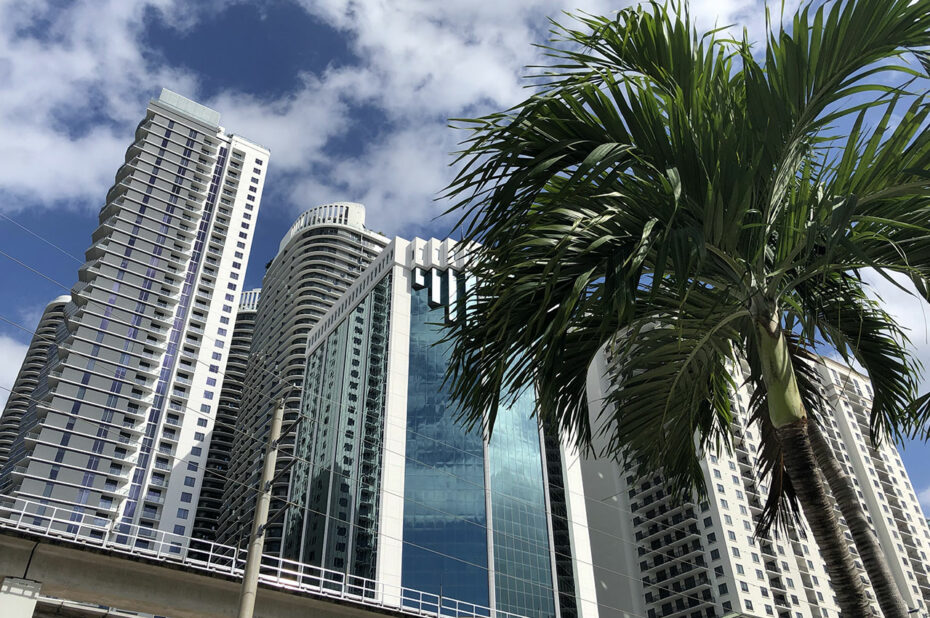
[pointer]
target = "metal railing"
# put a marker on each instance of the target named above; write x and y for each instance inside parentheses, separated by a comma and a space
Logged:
(214, 558)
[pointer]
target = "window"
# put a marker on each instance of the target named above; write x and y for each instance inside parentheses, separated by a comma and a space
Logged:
(744, 586)
(196, 451)
(199, 435)
(201, 422)
(189, 481)
(179, 529)
(182, 513)
(186, 496)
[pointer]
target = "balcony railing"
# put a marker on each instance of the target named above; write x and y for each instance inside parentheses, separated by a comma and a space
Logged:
(214, 558)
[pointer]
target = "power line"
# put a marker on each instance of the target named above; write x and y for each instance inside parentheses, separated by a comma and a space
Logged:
(45, 240)
(375, 486)
(301, 507)
(294, 456)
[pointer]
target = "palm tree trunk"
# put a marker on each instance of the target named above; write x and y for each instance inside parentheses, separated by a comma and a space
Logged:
(889, 596)
(821, 518)
(787, 413)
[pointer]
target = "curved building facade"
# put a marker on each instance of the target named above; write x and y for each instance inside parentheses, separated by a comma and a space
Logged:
(321, 255)
(210, 504)
(26, 380)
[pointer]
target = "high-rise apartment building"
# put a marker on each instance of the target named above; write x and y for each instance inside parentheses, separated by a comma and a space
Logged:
(388, 486)
(21, 395)
(210, 503)
(120, 433)
(321, 255)
(656, 557)
(882, 483)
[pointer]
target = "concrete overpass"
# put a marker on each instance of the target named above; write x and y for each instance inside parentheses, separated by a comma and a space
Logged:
(47, 553)
(31, 564)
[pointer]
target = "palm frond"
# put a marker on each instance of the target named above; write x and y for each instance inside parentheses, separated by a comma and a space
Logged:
(670, 387)
(859, 329)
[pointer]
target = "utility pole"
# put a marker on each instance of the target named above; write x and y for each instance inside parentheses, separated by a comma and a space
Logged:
(253, 561)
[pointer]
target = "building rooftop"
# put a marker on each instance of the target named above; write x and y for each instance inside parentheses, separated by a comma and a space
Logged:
(190, 108)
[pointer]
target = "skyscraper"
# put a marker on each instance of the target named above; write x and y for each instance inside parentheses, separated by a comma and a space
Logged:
(388, 486)
(318, 259)
(882, 483)
(210, 503)
(702, 559)
(120, 432)
(21, 396)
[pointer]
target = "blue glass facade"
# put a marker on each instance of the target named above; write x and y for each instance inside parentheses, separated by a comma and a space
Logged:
(474, 525)
(522, 561)
(338, 474)
(445, 519)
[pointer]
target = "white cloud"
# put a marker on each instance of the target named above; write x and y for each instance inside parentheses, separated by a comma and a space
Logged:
(419, 62)
(911, 314)
(12, 353)
(61, 65)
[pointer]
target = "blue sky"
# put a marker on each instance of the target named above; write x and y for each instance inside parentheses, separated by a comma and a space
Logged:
(352, 99)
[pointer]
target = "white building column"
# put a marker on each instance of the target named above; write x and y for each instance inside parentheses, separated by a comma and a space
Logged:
(18, 597)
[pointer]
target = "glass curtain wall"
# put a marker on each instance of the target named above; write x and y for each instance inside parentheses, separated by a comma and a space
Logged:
(445, 520)
(338, 474)
(522, 560)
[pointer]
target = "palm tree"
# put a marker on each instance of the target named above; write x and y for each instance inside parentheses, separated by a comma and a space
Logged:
(678, 201)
